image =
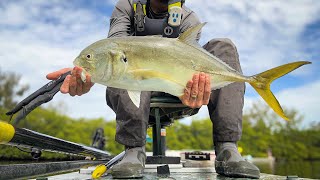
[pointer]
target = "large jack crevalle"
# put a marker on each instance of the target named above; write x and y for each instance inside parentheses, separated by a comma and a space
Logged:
(153, 63)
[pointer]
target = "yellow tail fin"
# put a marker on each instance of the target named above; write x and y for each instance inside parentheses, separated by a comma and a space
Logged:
(262, 81)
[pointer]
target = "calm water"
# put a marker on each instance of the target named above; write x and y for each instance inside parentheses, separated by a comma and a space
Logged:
(303, 169)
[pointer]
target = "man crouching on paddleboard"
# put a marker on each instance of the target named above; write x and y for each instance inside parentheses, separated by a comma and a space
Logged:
(163, 17)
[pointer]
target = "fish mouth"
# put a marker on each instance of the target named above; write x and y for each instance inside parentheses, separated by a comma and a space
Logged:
(76, 62)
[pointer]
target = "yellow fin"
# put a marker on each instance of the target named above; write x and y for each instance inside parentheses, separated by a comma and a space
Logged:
(263, 80)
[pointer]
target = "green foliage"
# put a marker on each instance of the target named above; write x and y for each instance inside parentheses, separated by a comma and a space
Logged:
(9, 89)
(263, 131)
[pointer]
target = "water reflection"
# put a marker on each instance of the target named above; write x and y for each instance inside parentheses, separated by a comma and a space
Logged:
(305, 169)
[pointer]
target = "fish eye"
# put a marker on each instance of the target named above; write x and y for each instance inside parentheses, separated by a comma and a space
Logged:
(124, 59)
(88, 56)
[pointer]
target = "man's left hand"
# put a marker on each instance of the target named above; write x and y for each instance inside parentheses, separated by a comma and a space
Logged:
(197, 92)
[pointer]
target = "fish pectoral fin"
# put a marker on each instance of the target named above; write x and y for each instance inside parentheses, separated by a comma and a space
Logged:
(135, 97)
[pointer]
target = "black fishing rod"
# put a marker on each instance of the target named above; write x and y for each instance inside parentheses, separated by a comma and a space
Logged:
(37, 142)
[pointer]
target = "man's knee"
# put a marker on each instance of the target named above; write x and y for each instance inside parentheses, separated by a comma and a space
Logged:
(219, 43)
(224, 49)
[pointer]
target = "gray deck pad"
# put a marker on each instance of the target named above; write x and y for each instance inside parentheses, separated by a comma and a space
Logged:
(176, 173)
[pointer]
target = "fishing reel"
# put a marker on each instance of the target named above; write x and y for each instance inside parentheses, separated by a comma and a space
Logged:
(35, 153)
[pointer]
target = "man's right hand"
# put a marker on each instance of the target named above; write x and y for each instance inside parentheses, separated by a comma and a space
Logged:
(72, 83)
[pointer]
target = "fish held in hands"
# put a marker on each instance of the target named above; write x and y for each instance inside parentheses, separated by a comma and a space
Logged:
(152, 63)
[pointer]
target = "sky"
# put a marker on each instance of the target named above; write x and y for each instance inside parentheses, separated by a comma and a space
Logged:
(38, 37)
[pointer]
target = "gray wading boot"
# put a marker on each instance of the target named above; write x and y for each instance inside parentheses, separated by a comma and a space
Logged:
(230, 163)
(132, 164)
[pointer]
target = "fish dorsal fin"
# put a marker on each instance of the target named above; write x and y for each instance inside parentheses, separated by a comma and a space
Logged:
(190, 35)
(135, 97)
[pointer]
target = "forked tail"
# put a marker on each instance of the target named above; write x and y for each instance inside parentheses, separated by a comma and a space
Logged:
(262, 81)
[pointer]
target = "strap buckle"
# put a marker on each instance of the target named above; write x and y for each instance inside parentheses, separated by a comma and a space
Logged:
(139, 18)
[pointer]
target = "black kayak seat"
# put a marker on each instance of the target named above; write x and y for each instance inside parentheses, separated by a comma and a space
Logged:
(163, 111)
